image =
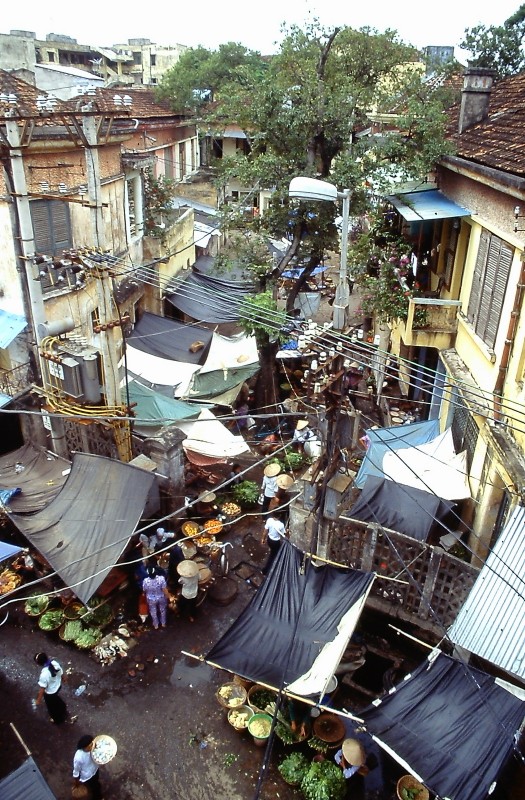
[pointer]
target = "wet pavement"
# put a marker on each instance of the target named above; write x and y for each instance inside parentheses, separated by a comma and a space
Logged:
(173, 737)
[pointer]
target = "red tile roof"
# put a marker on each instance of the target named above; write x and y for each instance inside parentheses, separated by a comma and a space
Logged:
(498, 141)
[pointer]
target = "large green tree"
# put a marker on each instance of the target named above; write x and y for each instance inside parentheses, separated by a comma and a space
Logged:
(306, 111)
(498, 47)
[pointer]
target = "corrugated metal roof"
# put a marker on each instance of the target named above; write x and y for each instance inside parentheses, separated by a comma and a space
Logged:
(425, 205)
(10, 327)
(492, 620)
(26, 783)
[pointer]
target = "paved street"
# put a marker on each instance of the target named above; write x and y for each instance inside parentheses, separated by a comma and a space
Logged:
(173, 737)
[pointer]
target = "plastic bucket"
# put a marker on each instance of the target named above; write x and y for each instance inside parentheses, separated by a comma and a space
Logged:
(330, 689)
(260, 726)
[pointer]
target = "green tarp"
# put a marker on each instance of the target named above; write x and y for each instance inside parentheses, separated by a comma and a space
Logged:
(153, 410)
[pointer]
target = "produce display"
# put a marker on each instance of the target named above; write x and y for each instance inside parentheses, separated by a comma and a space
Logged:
(204, 540)
(88, 638)
(190, 528)
(261, 698)
(71, 630)
(74, 610)
(9, 580)
(231, 695)
(260, 727)
(51, 620)
(240, 718)
(100, 615)
(36, 604)
(104, 749)
(213, 526)
(231, 509)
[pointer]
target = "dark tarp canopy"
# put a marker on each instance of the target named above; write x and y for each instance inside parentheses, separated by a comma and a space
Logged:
(400, 508)
(168, 338)
(26, 783)
(85, 528)
(450, 725)
(292, 619)
(37, 473)
(211, 297)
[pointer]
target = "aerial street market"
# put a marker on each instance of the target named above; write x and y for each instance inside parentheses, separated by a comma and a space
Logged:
(262, 405)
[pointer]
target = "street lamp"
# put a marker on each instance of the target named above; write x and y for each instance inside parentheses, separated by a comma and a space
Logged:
(313, 189)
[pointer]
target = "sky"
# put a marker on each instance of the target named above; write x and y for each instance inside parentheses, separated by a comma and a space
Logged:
(255, 25)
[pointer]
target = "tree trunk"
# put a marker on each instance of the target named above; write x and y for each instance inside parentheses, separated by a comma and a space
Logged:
(267, 387)
(301, 280)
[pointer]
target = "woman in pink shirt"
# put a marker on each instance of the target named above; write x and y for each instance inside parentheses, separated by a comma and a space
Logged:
(157, 595)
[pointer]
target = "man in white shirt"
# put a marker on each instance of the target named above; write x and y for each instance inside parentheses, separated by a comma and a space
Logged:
(275, 533)
(85, 770)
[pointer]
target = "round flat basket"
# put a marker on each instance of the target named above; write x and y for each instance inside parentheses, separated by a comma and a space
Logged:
(74, 610)
(36, 605)
(190, 528)
(231, 695)
(51, 620)
(408, 788)
(80, 792)
(240, 717)
(259, 697)
(104, 749)
(213, 527)
(329, 728)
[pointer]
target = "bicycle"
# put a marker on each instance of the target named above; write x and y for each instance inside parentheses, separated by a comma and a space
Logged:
(223, 560)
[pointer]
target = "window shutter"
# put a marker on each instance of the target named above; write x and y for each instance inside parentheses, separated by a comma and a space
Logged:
(51, 226)
(499, 263)
(477, 278)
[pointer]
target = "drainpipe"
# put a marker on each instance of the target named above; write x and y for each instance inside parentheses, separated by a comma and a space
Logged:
(509, 341)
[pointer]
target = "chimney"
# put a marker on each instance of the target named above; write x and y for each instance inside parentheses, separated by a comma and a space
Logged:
(475, 96)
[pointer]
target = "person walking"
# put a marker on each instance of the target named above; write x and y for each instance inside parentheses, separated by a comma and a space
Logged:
(189, 580)
(275, 534)
(157, 596)
(50, 683)
(269, 485)
(85, 770)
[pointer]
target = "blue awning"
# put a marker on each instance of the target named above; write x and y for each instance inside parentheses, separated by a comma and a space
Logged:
(296, 272)
(426, 205)
(10, 327)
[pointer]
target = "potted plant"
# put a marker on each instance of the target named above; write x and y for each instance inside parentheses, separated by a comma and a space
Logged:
(246, 493)
(293, 768)
(323, 780)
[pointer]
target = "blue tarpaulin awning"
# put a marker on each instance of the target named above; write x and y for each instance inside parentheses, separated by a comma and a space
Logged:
(426, 205)
(296, 272)
(10, 326)
(8, 550)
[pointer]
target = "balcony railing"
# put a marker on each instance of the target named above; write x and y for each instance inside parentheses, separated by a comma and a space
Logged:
(14, 381)
(431, 322)
(432, 585)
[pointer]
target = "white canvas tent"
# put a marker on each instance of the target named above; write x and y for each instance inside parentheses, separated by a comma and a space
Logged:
(208, 437)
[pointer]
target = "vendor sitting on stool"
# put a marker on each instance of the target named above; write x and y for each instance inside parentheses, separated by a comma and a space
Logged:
(351, 758)
(152, 543)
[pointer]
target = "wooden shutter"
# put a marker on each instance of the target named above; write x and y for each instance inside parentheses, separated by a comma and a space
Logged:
(499, 262)
(477, 278)
(51, 226)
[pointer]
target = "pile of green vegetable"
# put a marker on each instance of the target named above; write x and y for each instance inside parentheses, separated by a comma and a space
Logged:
(261, 698)
(323, 780)
(51, 620)
(36, 604)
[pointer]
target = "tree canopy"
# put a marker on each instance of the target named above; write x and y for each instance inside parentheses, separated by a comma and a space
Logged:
(498, 47)
(309, 110)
